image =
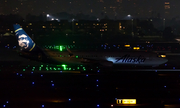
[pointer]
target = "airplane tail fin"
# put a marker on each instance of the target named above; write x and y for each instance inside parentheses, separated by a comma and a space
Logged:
(24, 41)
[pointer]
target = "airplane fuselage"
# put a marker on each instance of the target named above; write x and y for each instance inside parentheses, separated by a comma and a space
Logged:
(117, 58)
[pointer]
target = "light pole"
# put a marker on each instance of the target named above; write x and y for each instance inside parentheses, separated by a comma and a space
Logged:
(132, 20)
(47, 16)
(164, 23)
(73, 26)
(132, 28)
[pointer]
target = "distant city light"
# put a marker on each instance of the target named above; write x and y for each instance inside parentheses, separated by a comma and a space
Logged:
(52, 19)
(47, 15)
(98, 19)
(129, 15)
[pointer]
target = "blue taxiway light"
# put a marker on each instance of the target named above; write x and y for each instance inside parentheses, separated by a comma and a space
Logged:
(115, 98)
(53, 85)
(32, 82)
(155, 70)
(17, 73)
(173, 67)
(31, 72)
(4, 105)
(97, 80)
(97, 85)
(86, 75)
(165, 64)
(61, 71)
(7, 101)
(41, 75)
(51, 81)
(98, 71)
(20, 74)
(97, 105)
(69, 99)
(165, 86)
(42, 106)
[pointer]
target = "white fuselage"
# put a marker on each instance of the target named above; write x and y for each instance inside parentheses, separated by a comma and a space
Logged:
(120, 58)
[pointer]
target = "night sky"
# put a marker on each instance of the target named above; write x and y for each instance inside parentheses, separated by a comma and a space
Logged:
(99, 8)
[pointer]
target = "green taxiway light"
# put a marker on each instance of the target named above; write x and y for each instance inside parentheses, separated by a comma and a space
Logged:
(24, 69)
(54, 69)
(41, 65)
(64, 67)
(76, 56)
(60, 48)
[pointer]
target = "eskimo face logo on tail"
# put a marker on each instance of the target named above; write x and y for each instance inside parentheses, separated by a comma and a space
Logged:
(23, 41)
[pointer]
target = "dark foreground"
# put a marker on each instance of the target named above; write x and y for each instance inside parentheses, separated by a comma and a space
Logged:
(67, 89)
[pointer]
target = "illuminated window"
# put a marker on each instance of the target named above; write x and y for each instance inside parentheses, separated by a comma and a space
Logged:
(59, 24)
(43, 26)
(76, 23)
(26, 26)
(30, 23)
(52, 29)
(105, 29)
(97, 24)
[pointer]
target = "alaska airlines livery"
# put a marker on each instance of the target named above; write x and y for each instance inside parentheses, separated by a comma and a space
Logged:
(30, 50)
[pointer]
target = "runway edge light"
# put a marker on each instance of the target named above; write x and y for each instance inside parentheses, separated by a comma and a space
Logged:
(126, 101)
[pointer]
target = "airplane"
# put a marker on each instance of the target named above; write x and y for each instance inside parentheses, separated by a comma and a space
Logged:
(30, 50)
